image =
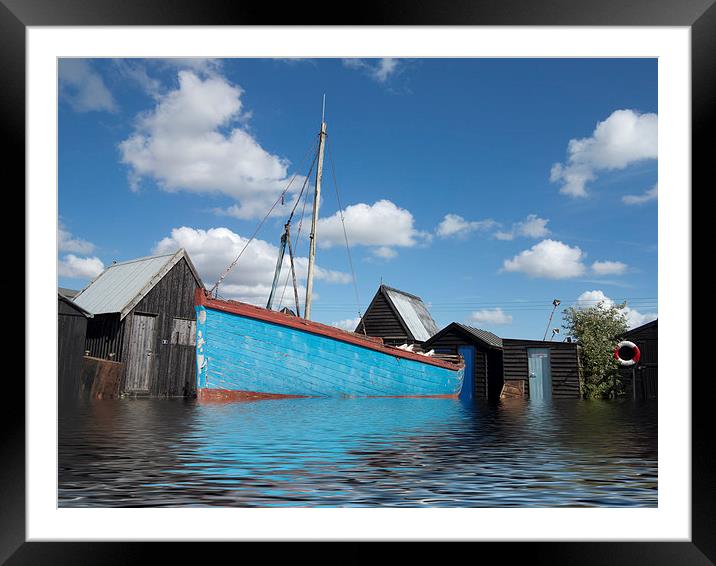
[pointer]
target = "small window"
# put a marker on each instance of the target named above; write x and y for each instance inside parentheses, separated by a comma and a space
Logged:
(184, 332)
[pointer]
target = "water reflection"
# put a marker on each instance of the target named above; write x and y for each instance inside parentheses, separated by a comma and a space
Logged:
(358, 452)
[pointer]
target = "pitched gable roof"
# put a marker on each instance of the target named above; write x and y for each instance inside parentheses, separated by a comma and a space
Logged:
(65, 292)
(412, 312)
(66, 300)
(120, 287)
(487, 338)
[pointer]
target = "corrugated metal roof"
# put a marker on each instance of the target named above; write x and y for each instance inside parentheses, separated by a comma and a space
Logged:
(62, 298)
(413, 312)
(119, 287)
(65, 292)
(484, 335)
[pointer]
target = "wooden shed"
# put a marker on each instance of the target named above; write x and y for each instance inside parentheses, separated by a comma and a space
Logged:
(144, 318)
(482, 351)
(397, 317)
(71, 331)
(646, 337)
(505, 367)
(540, 369)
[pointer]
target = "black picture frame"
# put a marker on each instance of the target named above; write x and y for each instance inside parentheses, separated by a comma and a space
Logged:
(17, 15)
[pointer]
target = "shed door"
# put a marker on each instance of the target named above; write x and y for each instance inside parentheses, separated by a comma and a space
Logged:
(141, 354)
(468, 384)
(540, 373)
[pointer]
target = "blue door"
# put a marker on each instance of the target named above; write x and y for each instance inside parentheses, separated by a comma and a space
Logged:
(540, 373)
(468, 384)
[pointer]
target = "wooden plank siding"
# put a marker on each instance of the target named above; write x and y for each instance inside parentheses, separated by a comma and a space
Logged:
(488, 362)
(171, 303)
(563, 360)
(380, 319)
(173, 371)
(646, 337)
(105, 337)
(71, 331)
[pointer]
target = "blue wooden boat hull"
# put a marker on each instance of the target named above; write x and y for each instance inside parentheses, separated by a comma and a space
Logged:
(240, 357)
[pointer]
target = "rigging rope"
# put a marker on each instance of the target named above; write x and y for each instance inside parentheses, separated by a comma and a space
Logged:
(287, 236)
(215, 288)
(345, 234)
(295, 245)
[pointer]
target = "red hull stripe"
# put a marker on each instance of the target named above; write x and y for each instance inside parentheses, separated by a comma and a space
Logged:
(228, 395)
(220, 395)
(258, 313)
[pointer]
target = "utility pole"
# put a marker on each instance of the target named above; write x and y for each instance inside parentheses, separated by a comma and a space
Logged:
(554, 308)
(314, 220)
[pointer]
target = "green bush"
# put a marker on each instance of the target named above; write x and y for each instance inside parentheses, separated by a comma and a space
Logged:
(595, 329)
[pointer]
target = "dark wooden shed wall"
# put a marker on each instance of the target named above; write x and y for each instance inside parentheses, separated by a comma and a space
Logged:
(173, 368)
(105, 337)
(646, 338)
(381, 320)
(488, 361)
(71, 330)
(173, 372)
(563, 361)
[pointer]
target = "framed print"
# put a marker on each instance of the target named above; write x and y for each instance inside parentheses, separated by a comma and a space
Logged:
(302, 276)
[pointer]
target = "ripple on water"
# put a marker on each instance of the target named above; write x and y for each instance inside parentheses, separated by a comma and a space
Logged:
(358, 452)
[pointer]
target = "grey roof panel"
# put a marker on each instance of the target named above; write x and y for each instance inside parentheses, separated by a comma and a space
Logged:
(122, 284)
(484, 335)
(68, 301)
(413, 312)
(65, 292)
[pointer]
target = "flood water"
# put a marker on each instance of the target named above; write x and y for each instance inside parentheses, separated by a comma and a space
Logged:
(358, 452)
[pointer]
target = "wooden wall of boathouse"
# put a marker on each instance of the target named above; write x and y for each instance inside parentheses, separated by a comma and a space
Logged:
(71, 331)
(646, 337)
(171, 303)
(155, 340)
(564, 363)
(105, 337)
(381, 320)
(487, 371)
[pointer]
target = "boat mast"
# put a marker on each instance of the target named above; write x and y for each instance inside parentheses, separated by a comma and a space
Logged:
(314, 220)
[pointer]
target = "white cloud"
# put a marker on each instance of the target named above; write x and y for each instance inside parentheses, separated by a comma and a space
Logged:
(551, 259)
(188, 142)
(214, 249)
(385, 252)
(531, 227)
(384, 69)
(382, 225)
(456, 225)
(646, 196)
(82, 88)
(67, 243)
(491, 316)
(136, 72)
(624, 138)
(201, 65)
(379, 70)
(347, 324)
(609, 267)
(633, 317)
(75, 267)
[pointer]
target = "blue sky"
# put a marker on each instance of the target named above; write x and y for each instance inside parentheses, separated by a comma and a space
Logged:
(488, 187)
